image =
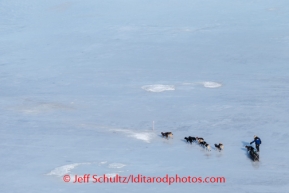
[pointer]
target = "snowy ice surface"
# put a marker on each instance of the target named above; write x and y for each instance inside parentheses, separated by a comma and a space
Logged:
(87, 87)
(211, 84)
(61, 171)
(158, 88)
(162, 88)
(116, 165)
(145, 136)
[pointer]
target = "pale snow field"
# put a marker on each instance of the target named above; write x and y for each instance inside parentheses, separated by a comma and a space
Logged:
(82, 82)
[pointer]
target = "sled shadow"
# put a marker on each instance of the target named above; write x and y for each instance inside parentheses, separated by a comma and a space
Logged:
(246, 153)
(245, 143)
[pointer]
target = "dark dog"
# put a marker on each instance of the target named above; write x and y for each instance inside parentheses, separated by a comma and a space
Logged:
(190, 139)
(253, 154)
(207, 146)
(203, 143)
(200, 139)
(249, 148)
(220, 147)
(167, 134)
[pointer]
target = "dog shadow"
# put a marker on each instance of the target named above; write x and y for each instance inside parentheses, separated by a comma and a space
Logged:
(166, 138)
(161, 136)
(185, 141)
(216, 149)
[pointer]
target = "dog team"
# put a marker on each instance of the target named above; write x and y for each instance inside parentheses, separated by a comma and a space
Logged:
(200, 141)
(203, 143)
(251, 151)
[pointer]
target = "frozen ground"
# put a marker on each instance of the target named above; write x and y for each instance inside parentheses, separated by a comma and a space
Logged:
(82, 81)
